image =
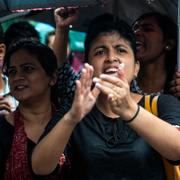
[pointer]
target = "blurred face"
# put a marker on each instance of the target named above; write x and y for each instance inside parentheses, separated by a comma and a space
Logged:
(108, 51)
(27, 78)
(150, 40)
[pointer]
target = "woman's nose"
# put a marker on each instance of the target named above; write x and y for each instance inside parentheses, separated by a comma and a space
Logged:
(112, 59)
(18, 75)
(138, 32)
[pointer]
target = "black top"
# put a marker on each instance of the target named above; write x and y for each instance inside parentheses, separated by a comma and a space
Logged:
(103, 148)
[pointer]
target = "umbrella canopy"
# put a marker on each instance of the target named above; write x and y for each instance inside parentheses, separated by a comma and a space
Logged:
(128, 10)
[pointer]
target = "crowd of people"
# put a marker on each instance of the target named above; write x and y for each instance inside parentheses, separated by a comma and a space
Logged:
(91, 124)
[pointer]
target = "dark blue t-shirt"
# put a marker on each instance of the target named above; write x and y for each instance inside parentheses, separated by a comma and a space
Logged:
(103, 148)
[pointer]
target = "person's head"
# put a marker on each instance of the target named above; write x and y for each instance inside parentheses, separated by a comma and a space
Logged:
(50, 39)
(110, 42)
(2, 47)
(31, 69)
(18, 30)
(156, 38)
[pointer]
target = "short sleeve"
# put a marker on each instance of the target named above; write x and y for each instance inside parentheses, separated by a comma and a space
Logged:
(169, 109)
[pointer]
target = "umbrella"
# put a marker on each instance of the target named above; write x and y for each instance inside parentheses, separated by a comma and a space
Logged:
(19, 5)
(128, 10)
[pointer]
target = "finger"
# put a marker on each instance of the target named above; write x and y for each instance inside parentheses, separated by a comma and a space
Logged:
(121, 73)
(59, 11)
(86, 80)
(89, 76)
(172, 83)
(95, 92)
(4, 103)
(89, 69)
(5, 107)
(73, 11)
(83, 77)
(177, 74)
(78, 90)
(63, 12)
(175, 82)
(175, 89)
(104, 89)
(111, 79)
(104, 83)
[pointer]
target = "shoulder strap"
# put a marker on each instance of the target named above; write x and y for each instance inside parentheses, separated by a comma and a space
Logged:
(172, 172)
(151, 106)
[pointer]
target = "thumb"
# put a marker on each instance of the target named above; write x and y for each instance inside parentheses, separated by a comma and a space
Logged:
(121, 73)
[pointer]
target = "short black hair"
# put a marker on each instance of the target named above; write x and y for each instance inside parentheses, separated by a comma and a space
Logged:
(18, 30)
(108, 23)
(45, 55)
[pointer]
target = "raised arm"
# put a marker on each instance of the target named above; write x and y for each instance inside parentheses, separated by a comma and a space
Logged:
(64, 17)
(46, 154)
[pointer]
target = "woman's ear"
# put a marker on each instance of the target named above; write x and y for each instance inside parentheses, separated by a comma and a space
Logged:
(136, 68)
(53, 79)
(170, 44)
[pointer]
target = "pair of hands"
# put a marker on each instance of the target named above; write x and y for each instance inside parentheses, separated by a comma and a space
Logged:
(115, 88)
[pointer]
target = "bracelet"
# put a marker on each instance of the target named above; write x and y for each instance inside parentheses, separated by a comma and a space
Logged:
(137, 112)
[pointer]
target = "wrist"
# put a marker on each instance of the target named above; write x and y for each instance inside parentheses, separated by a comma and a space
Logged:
(62, 29)
(70, 119)
(134, 116)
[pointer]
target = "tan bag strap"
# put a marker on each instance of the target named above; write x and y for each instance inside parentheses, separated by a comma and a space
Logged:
(151, 107)
(154, 105)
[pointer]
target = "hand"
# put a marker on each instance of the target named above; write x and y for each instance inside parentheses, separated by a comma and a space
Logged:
(117, 91)
(65, 16)
(85, 97)
(4, 106)
(175, 84)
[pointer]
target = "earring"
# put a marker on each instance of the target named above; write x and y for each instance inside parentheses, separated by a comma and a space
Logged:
(134, 87)
(167, 47)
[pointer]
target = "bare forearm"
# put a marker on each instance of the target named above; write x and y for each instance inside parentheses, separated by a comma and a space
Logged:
(46, 154)
(163, 137)
(60, 45)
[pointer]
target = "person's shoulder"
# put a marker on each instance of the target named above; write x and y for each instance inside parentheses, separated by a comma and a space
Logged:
(169, 103)
(168, 97)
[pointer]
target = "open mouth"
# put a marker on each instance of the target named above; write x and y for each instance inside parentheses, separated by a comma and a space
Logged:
(139, 45)
(20, 87)
(111, 70)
